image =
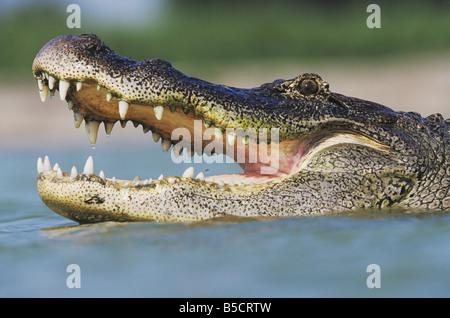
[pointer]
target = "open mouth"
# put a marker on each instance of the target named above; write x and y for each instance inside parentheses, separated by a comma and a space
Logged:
(179, 128)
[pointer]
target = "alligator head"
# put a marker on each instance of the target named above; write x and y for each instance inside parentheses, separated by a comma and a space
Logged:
(303, 149)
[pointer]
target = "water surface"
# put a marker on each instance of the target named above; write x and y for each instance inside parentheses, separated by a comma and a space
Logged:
(296, 257)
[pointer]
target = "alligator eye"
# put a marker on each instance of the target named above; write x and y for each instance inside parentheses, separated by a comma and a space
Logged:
(308, 87)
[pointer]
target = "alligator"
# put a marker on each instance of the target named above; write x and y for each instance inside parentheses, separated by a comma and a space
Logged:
(317, 152)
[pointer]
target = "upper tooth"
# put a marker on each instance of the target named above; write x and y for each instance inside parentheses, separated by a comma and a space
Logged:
(218, 132)
(43, 92)
(108, 127)
(231, 138)
(70, 104)
(108, 97)
(47, 165)
(78, 119)
(165, 144)
(51, 82)
(79, 85)
(158, 111)
(63, 87)
(89, 166)
(156, 136)
(189, 173)
(123, 108)
(200, 176)
(40, 85)
(40, 165)
(92, 130)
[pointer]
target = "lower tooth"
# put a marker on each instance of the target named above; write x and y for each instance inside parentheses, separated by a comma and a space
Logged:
(74, 172)
(189, 173)
(40, 165)
(47, 166)
(200, 176)
(89, 166)
(102, 175)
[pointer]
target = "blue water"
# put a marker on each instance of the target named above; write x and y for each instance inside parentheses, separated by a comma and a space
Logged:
(298, 257)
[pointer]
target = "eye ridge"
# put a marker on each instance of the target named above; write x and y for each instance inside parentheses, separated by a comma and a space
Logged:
(308, 87)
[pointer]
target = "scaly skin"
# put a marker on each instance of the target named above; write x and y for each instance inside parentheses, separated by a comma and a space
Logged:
(336, 153)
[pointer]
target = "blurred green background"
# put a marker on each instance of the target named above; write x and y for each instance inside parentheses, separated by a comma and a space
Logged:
(404, 65)
(198, 32)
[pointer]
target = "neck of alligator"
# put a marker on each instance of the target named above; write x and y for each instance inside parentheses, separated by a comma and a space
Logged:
(303, 149)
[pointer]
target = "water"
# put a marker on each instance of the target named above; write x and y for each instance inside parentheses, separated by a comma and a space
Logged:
(298, 257)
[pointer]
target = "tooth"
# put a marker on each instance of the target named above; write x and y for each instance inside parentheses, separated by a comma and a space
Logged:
(207, 123)
(78, 119)
(200, 176)
(59, 173)
(43, 92)
(89, 166)
(161, 177)
(92, 130)
(123, 108)
(52, 94)
(108, 97)
(74, 172)
(158, 111)
(63, 87)
(101, 175)
(98, 87)
(70, 104)
(47, 165)
(246, 140)
(45, 75)
(108, 127)
(79, 85)
(135, 124)
(137, 178)
(56, 166)
(218, 132)
(123, 123)
(231, 138)
(40, 85)
(165, 144)
(176, 151)
(40, 165)
(156, 136)
(145, 129)
(51, 82)
(188, 173)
